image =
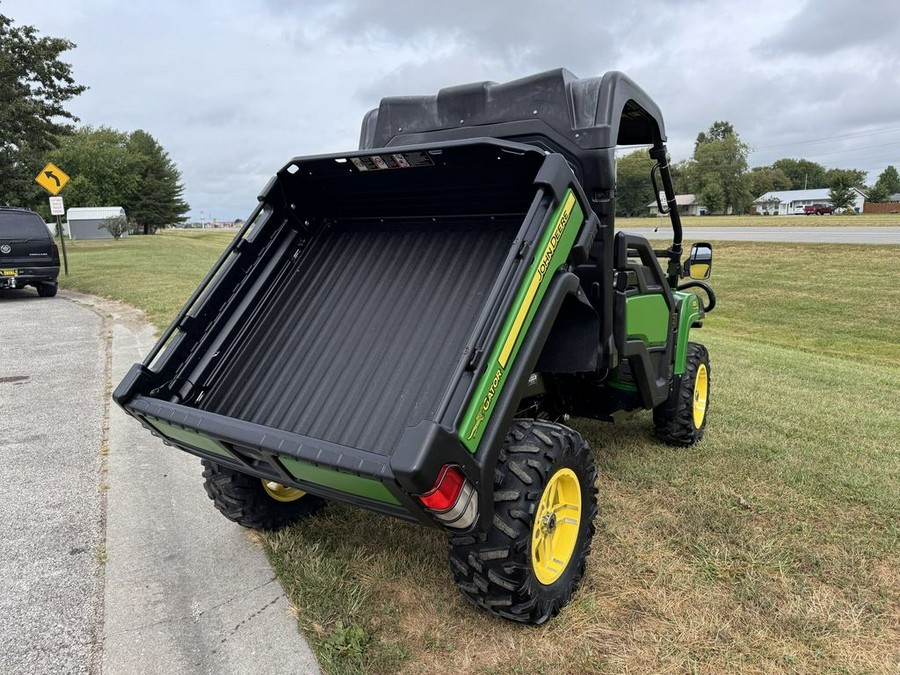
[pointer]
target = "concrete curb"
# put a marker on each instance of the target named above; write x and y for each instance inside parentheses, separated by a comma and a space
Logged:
(186, 591)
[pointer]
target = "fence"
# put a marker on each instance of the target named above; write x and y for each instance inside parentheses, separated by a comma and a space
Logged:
(876, 207)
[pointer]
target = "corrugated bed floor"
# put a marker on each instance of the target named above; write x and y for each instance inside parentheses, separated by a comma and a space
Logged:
(363, 339)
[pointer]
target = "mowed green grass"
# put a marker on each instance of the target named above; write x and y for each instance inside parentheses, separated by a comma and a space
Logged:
(156, 274)
(861, 220)
(773, 546)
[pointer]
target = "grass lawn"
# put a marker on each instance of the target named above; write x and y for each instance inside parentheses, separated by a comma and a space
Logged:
(862, 220)
(772, 546)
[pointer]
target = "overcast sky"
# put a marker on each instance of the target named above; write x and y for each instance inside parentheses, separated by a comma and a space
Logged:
(235, 88)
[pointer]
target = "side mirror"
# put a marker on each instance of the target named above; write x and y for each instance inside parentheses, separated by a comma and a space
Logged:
(700, 262)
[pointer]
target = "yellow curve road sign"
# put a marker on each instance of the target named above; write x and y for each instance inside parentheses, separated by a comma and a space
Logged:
(52, 178)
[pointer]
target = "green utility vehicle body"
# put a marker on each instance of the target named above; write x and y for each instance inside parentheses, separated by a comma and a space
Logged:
(387, 313)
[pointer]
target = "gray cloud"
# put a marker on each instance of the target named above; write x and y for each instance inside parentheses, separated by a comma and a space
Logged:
(829, 27)
(233, 89)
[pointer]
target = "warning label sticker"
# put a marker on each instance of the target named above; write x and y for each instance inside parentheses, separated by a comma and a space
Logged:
(404, 160)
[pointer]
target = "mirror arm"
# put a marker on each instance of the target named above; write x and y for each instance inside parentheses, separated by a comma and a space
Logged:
(706, 288)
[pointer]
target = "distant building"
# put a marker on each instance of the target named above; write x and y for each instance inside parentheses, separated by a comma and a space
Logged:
(688, 205)
(792, 202)
(895, 198)
(85, 223)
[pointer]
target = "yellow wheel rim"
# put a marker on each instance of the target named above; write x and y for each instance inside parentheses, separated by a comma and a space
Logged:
(281, 493)
(556, 525)
(701, 393)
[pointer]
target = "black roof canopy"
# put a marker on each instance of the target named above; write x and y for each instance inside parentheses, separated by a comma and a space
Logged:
(578, 114)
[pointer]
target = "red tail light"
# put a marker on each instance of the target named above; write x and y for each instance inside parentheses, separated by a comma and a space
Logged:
(445, 491)
(452, 500)
(54, 254)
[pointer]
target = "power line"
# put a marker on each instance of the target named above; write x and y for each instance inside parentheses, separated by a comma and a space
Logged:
(830, 139)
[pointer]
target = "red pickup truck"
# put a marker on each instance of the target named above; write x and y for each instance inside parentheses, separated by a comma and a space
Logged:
(817, 210)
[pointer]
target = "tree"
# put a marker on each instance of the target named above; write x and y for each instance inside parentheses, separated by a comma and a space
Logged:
(888, 184)
(34, 88)
(713, 197)
(112, 168)
(802, 173)
(718, 131)
(721, 159)
(763, 179)
(633, 187)
(102, 168)
(116, 226)
(850, 177)
(157, 202)
(841, 195)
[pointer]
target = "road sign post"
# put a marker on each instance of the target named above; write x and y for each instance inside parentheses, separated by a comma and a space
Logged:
(53, 180)
(57, 208)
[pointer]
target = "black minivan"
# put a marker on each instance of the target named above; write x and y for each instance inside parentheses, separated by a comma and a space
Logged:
(28, 255)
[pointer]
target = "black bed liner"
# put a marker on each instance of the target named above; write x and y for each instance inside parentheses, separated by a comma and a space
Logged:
(363, 337)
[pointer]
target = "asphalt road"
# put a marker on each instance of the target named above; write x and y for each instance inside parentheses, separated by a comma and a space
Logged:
(805, 235)
(52, 359)
(122, 567)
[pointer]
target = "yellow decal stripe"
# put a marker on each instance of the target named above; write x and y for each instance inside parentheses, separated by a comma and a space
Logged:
(546, 254)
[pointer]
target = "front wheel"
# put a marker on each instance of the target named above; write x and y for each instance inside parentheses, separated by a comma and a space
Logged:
(681, 420)
(256, 502)
(528, 564)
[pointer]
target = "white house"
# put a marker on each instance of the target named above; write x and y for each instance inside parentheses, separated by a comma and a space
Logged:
(688, 205)
(791, 202)
(85, 223)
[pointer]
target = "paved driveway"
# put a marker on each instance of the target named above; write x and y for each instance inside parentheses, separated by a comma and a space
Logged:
(52, 359)
(115, 560)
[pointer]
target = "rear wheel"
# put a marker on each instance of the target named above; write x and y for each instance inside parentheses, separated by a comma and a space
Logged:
(682, 419)
(526, 567)
(255, 502)
(46, 289)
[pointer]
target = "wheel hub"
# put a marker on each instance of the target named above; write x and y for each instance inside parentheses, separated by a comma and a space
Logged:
(548, 522)
(701, 395)
(556, 526)
(281, 493)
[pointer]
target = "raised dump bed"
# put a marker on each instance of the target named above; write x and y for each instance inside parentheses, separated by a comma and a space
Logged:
(338, 345)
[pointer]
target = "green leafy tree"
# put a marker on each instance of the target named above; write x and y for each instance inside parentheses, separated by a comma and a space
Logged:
(721, 160)
(841, 195)
(633, 187)
(712, 196)
(112, 168)
(888, 184)
(684, 176)
(116, 226)
(803, 173)
(102, 169)
(763, 179)
(158, 201)
(718, 131)
(35, 86)
(851, 177)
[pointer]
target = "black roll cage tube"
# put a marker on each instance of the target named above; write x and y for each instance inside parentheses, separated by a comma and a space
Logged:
(658, 152)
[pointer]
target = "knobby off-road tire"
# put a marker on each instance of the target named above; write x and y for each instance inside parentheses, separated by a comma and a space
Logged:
(682, 419)
(496, 571)
(244, 499)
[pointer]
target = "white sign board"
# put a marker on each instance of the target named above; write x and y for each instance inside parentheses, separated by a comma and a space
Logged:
(56, 206)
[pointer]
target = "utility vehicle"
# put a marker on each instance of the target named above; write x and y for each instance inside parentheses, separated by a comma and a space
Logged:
(406, 327)
(28, 255)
